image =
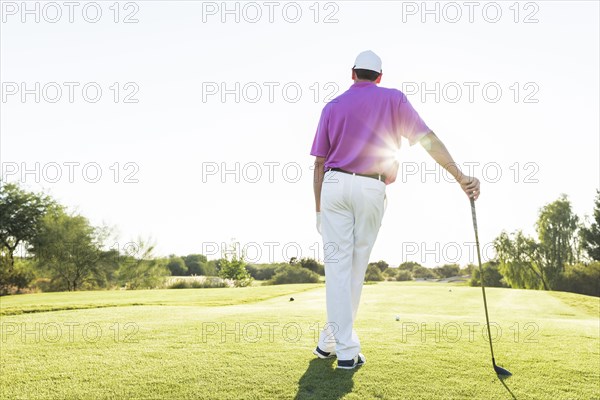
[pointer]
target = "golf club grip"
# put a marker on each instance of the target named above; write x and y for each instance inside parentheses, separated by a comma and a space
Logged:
(473, 215)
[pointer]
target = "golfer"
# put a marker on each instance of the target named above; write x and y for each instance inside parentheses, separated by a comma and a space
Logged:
(355, 146)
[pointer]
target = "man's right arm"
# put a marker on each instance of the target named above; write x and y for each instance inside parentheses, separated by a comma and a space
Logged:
(318, 180)
(319, 176)
(320, 146)
(438, 151)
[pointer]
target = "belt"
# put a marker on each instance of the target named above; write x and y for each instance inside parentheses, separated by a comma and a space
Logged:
(379, 177)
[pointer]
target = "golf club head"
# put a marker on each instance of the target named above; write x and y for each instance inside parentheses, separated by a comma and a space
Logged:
(501, 371)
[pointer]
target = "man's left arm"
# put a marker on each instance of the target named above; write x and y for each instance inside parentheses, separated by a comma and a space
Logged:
(438, 151)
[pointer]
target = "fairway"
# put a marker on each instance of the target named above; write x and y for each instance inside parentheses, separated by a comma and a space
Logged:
(254, 343)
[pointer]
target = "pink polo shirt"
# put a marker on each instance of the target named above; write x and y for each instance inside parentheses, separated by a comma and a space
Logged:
(360, 130)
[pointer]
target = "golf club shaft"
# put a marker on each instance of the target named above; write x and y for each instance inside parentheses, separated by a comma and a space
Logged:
(487, 318)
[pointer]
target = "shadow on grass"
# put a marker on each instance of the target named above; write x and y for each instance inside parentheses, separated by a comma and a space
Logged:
(502, 379)
(322, 381)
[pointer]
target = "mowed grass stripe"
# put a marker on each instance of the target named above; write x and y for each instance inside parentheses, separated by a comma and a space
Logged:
(43, 302)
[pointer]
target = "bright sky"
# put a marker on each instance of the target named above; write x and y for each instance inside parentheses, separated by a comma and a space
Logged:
(511, 88)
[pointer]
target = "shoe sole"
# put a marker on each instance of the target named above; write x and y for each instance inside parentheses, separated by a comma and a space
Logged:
(321, 356)
(352, 367)
(358, 364)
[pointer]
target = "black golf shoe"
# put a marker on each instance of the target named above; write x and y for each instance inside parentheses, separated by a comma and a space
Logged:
(351, 364)
(322, 354)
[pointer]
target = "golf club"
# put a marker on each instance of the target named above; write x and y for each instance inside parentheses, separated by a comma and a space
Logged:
(499, 370)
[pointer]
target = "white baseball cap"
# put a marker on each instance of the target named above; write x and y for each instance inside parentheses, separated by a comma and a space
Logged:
(368, 60)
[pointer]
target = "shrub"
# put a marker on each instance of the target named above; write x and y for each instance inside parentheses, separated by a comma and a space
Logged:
(210, 268)
(312, 265)
(391, 273)
(409, 266)
(448, 270)
(253, 270)
(423, 273)
(262, 272)
(491, 276)
(177, 266)
(15, 279)
(382, 265)
(468, 270)
(142, 273)
(582, 279)
(210, 282)
(235, 270)
(373, 274)
(48, 285)
(293, 274)
(243, 282)
(195, 264)
(45, 285)
(404, 276)
(199, 283)
(179, 284)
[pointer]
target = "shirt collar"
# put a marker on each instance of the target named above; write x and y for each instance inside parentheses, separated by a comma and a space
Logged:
(361, 84)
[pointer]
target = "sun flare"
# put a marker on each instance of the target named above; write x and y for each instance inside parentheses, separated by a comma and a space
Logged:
(397, 156)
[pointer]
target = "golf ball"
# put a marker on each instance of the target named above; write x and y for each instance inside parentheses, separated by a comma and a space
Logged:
(397, 318)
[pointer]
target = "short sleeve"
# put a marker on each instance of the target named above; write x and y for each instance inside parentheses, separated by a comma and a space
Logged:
(321, 144)
(412, 127)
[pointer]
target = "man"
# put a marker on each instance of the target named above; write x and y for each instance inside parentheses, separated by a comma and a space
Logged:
(355, 146)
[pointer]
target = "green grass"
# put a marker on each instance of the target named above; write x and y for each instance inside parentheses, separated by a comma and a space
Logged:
(164, 346)
(41, 302)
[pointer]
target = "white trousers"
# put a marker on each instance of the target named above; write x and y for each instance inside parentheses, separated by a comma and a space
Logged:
(352, 208)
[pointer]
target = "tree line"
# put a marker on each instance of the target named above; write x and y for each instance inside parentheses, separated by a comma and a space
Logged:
(44, 246)
(565, 256)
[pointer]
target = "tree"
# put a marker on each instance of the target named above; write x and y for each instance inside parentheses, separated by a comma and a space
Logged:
(196, 264)
(404, 275)
(20, 216)
(409, 266)
(382, 265)
(373, 273)
(211, 268)
(140, 269)
(527, 263)
(105, 275)
(19, 276)
(391, 273)
(581, 278)
(590, 237)
(491, 275)
(312, 265)
(234, 268)
(262, 272)
(468, 270)
(448, 270)
(66, 245)
(177, 266)
(519, 262)
(423, 272)
(556, 228)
